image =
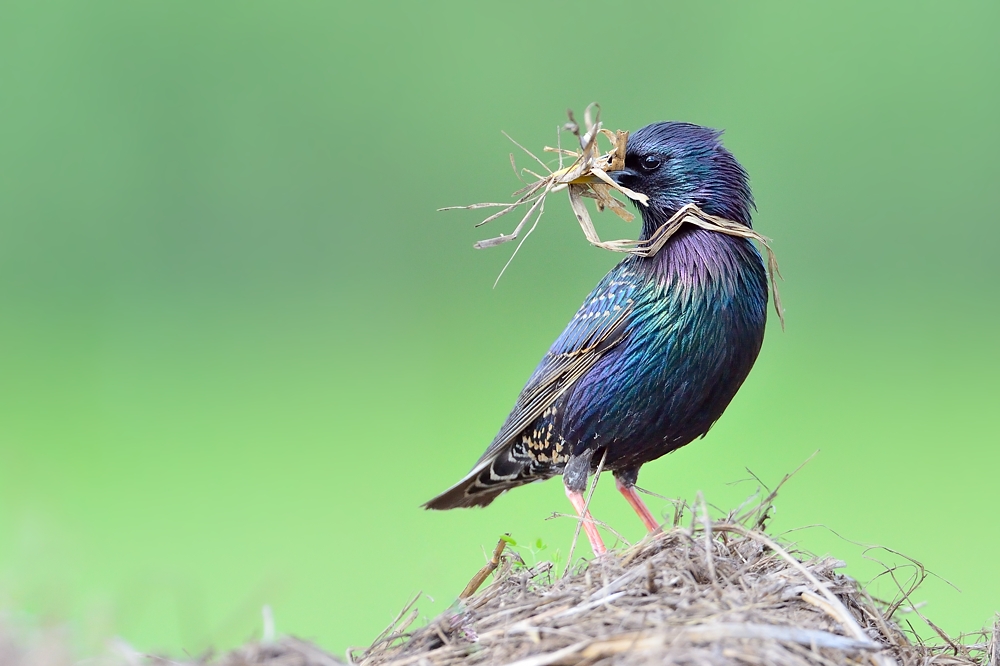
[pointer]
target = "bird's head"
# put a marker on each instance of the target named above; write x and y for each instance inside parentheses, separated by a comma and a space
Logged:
(676, 163)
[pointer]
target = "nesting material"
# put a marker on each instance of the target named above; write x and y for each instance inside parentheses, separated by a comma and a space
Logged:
(705, 592)
(587, 177)
(710, 592)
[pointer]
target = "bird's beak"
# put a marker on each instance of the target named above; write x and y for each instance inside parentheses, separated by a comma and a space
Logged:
(624, 177)
(585, 180)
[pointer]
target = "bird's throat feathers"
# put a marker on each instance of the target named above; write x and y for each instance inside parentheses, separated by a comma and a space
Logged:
(736, 206)
(698, 261)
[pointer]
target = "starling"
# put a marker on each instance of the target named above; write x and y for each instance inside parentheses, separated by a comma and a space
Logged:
(657, 350)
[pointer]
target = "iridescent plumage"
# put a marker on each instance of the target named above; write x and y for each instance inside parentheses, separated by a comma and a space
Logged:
(657, 350)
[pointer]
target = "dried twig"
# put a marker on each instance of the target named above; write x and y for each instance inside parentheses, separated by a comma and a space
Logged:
(706, 524)
(994, 644)
(483, 573)
(392, 625)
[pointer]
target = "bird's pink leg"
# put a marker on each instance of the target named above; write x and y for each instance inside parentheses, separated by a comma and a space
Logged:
(596, 544)
(633, 498)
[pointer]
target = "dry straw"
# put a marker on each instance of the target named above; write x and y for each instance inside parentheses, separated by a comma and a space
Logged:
(708, 592)
(587, 177)
(699, 591)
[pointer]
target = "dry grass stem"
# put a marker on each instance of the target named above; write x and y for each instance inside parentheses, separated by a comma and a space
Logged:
(483, 573)
(587, 177)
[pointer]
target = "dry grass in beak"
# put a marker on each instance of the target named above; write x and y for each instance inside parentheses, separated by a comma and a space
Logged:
(588, 177)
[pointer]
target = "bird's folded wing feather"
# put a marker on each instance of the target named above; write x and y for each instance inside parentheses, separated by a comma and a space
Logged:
(598, 326)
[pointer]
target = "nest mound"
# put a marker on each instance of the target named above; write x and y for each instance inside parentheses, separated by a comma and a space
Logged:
(710, 592)
(719, 592)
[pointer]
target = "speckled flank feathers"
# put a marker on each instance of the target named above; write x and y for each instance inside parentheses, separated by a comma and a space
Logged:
(658, 349)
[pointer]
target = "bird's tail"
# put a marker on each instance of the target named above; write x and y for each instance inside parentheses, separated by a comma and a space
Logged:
(463, 494)
(490, 478)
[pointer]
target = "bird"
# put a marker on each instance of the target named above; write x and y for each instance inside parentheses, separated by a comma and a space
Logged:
(658, 349)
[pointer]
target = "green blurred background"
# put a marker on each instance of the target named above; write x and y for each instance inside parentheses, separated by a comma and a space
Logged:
(240, 347)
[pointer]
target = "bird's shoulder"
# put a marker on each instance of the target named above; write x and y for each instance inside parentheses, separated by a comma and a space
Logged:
(604, 311)
(596, 328)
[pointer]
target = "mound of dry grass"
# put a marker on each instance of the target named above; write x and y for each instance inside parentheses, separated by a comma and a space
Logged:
(705, 592)
(710, 592)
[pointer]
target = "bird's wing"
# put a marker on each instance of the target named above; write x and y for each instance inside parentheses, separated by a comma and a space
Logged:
(597, 327)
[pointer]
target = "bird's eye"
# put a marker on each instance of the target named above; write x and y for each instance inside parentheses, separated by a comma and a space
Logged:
(650, 162)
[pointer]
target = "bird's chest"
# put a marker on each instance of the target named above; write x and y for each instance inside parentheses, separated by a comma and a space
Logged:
(695, 330)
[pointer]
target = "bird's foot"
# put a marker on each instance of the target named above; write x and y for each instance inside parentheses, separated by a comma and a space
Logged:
(632, 497)
(589, 526)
